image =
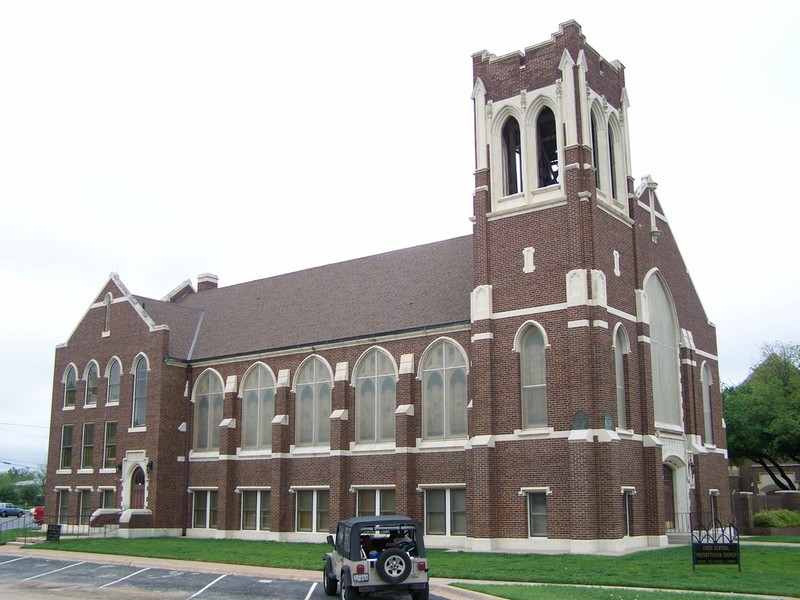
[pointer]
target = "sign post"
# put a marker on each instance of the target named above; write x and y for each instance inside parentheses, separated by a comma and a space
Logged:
(716, 546)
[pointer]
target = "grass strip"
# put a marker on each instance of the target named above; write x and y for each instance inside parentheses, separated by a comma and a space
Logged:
(554, 592)
(769, 570)
(773, 539)
(765, 569)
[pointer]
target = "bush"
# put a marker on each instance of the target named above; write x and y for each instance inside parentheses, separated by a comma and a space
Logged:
(777, 518)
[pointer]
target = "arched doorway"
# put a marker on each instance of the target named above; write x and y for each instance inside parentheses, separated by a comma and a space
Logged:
(137, 488)
(669, 497)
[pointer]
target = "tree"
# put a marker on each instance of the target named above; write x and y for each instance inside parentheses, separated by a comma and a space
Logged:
(22, 486)
(763, 413)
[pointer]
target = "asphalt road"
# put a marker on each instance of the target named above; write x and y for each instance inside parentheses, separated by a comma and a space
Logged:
(34, 576)
(19, 521)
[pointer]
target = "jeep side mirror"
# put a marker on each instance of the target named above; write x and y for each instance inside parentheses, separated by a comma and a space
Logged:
(330, 539)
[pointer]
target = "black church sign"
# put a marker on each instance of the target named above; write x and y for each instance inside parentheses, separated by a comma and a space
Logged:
(716, 546)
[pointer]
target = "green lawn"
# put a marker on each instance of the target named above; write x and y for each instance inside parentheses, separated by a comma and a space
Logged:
(765, 569)
(8, 535)
(775, 539)
(553, 592)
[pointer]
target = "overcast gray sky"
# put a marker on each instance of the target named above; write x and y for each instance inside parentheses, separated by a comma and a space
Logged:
(165, 139)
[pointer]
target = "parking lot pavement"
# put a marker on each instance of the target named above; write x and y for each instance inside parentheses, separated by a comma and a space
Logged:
(34, 575)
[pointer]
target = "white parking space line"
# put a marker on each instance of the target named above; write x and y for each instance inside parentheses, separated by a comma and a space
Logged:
(311, 591)
(126, 577)
(14, 560)
(51, 572)
(208, 586)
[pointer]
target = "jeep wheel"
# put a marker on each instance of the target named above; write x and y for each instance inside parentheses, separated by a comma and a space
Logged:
(348, 591)
(393, 565)
(329, 582)
(422, 594)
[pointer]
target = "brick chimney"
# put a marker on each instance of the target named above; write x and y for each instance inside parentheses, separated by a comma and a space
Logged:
(206, 281)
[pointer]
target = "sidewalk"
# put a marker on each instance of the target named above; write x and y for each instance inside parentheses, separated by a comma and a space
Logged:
(440, 586)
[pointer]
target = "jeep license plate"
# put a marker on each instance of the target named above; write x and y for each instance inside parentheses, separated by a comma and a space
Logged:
(361, 577)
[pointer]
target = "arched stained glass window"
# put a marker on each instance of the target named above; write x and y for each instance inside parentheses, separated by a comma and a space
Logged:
(313, 404)
(139, 392)
(444, 391)
(91, 385)
(664, 353)
(114, 372)
(208, 397)
(533, 373)
(258, 407)
(621, 348)
(376, 398)
(70, 387)
(708, 416)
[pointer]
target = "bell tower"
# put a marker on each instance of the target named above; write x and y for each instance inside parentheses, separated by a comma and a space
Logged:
(552, 224)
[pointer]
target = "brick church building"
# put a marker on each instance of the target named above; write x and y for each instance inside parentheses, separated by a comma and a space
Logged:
(549, 382)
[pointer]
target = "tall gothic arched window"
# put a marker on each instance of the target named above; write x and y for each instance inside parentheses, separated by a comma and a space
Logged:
(664, 353)
(595, 150)
(533, 375)
(708, 416)
(139, 392)
(621, 349)
(208, 397)
(376, 397)
(547, 147)
(114, 376)
(91, 385)
(258, 408)
(313, 403)
(444, 391)
(70, 386)
(512, 157)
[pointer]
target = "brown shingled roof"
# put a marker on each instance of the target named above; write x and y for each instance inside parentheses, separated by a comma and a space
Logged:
(403, 290)
(182, 321)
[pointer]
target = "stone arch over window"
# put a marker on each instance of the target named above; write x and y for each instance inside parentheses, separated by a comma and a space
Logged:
(258, 407)
(140, 369)
(313, 386)
(622, 347)
(443, 370)
(113, 376)
(70, 381)
(547, 147)
(531, 343)
(375, 381)
(707, 380)
(207, 397)
(91, 376)
(511, 137)
(664, 352)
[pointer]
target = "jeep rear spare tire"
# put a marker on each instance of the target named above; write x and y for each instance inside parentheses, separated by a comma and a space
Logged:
(393, 565)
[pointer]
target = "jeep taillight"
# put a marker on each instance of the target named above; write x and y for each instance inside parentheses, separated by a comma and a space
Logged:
(360, 569)
(421, 565)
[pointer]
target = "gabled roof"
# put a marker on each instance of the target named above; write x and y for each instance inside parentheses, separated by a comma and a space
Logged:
(409, 289)
(182, 321)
